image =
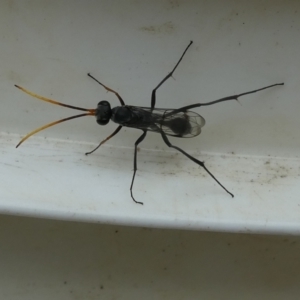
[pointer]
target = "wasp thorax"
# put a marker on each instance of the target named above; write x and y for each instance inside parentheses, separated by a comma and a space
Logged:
(103, 112)
(121, 115)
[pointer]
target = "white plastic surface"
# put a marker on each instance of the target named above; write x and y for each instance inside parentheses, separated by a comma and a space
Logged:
(253, 148)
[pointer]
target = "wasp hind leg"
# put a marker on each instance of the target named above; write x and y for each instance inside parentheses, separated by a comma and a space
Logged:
(198, 162)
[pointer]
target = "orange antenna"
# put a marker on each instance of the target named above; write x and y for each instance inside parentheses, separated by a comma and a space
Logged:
(90, 112)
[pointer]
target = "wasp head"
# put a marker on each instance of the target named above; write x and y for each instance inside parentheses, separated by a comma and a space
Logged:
(103, 112)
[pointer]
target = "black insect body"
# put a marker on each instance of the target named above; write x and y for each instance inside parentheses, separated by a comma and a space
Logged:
(180, 122)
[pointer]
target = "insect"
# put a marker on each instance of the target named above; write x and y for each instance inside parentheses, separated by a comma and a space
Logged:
(179, 122)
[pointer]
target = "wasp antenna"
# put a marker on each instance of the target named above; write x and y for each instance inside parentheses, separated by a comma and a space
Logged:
(50, 100)
(52, 124)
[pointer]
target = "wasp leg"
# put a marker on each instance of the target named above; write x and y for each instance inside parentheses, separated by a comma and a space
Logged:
(105, 140)
(108, 89)
(139, 140)
(234, 97)
(153, 95)
(200, 163)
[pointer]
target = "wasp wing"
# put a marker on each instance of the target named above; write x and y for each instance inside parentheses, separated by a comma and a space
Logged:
(184, 124)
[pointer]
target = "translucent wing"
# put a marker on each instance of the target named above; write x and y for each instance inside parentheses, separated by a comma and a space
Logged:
(184, 124)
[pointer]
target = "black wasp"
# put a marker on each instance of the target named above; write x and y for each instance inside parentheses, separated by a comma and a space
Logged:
(179, 122)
